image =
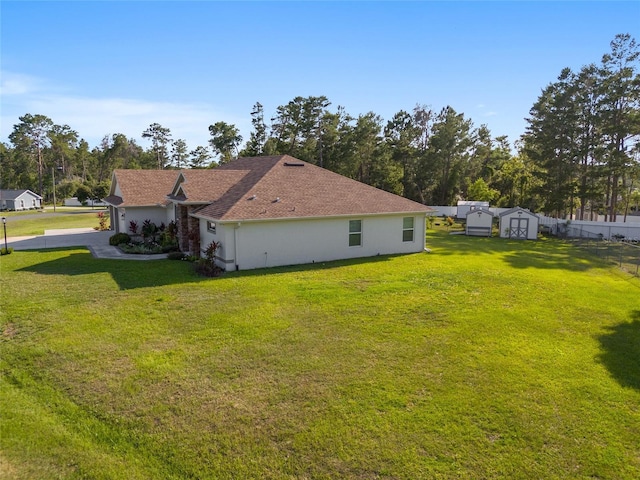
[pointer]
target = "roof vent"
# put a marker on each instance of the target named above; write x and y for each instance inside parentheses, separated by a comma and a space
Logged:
(291, 164)
(252, 197)
(277, 200)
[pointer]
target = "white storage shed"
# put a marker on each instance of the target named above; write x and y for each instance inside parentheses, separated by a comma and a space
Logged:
(479, 223)
(519, 223)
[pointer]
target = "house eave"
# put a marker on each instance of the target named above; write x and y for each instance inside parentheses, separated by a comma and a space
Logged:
(186, 202)
(316, 217)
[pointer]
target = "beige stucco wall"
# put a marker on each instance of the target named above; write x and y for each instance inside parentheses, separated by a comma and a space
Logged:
(157, 215)
(252, 245)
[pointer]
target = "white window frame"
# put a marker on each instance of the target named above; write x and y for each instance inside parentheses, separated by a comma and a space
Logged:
(211, 226)
(406, 230)
(353, 234)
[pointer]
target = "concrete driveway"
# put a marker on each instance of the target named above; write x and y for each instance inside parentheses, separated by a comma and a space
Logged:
(97, 242)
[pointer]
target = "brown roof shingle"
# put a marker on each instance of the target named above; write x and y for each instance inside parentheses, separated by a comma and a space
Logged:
(259, 188)
(142, 188)
(206, 186)
(284, 187)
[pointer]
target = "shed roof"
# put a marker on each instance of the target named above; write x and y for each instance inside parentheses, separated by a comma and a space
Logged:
(477, 210)
(516, 209)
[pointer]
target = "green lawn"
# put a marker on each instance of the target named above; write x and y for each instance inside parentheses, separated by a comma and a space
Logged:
(35, 222)
(486, 358)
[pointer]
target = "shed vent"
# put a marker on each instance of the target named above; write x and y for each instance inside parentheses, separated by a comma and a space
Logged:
(291, 164)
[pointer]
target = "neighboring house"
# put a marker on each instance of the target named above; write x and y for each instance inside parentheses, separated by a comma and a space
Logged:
(466, 206)
(19, 200)
(479, 223)
(74, 202)
(519, 223)
(272, 211)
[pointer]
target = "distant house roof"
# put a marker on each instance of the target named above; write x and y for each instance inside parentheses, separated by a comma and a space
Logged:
(279, 187)
(13, 194)
(141, 188)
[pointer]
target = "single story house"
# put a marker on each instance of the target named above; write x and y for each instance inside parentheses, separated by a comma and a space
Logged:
(19, 200)
(479, 223)
(519, 223)
(272, 211)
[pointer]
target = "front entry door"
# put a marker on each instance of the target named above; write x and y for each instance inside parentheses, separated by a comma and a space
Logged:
(518, 228)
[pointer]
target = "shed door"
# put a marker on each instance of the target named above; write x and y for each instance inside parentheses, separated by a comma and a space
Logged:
(518, 228)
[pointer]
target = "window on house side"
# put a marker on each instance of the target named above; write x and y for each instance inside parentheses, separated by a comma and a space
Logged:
(211, 226)
(355, 233)
(407, 229)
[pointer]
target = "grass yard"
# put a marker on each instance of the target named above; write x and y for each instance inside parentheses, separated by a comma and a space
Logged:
(35, 222)
(486, 358)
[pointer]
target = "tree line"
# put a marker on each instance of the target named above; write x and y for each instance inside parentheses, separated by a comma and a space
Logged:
(580, 153)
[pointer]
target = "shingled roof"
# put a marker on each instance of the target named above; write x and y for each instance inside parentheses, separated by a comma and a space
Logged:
(13, 194)
(141, 188)
(204, 186)
(280, 187)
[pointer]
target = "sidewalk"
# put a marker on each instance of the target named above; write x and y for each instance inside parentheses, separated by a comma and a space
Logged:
(96, 241)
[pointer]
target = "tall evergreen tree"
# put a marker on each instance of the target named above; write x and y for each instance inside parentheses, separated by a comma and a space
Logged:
(179, 153)
(31, 136)
(199, 158)
(449, 149)
(551, 142)
(620, 112)
(258, 137)
(225, 140)
(401, 136)
(160, 138)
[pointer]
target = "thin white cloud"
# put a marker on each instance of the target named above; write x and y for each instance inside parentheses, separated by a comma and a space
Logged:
(17, 84)
(490, 114)
(93, 118)
(96, 117)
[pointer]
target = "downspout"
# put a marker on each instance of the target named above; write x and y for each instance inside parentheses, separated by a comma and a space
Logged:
(235, 244)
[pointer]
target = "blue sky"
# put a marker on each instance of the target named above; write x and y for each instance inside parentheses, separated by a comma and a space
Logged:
(117, 67)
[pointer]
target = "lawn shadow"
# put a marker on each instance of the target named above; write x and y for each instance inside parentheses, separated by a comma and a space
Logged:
(153, 273)
(544, 253)
(306, 267)
(557, 257)
(127, 274)
(621, 351)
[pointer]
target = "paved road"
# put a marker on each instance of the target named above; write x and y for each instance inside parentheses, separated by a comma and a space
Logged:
(50, 213)
(97, 242)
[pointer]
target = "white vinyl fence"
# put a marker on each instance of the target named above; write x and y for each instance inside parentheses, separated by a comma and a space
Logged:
(592, 230)
(629, 230)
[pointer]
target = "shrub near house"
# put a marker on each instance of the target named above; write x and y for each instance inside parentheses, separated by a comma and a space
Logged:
(153, 239)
